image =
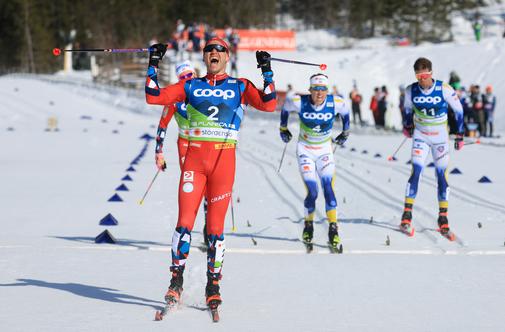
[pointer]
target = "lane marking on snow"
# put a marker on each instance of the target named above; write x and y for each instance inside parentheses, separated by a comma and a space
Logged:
(257, 251)
(486, 253)
(14, 246)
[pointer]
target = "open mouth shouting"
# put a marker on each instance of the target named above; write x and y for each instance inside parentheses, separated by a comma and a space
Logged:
(216, 62)
(214, 59)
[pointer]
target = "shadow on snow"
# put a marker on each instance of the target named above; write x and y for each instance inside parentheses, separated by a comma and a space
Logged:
(92, 292)
(141, 245)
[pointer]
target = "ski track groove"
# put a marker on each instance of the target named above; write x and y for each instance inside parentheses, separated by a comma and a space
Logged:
(393, 207)
(422, 210)
(456, 192)
(282, 178)
(269, 181)
(25, 108)
(391, 198)
(422, 229)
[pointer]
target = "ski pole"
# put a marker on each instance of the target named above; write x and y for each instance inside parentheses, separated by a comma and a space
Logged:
(149, 188)
(57, 51)
(321, 66)
(390, 158)
(233, 228)
(282, 158)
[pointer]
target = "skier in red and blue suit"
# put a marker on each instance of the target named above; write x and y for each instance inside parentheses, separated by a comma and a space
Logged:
(215, 106)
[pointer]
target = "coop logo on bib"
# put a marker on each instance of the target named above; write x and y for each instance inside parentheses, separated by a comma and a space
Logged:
(226, 94)
(427, 99)
(318, 116)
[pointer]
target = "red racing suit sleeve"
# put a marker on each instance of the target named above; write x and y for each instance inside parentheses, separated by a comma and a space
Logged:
(166, 116)
(162, 96)
(265, 100)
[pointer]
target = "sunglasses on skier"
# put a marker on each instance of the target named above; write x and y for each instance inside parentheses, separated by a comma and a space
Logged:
(217, 47)
(188, 75)
(319, 88)
(423, 76)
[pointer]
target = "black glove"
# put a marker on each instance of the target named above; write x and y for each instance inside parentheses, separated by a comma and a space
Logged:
(285, 134)
(408, 131)
(156, 53)
(263, 59)
(340, 139)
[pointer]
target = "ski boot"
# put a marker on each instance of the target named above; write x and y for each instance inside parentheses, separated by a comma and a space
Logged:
(334, 239)
(175, 289)
(173, 295)
(406, 223)
(308, 233)
(443, 224)
(212, 295)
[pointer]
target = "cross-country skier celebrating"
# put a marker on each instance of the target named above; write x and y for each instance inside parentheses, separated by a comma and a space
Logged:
(317, 113)
(426, 103)
(215, 106)
(184, 71)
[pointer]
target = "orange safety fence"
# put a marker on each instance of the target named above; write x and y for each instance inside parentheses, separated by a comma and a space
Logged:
(268, 40)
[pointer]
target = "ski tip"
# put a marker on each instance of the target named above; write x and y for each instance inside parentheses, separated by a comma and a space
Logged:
(335, 249)
(214, 313)
(158, 316)
(309, 247)
(407, 232)
(449, 236)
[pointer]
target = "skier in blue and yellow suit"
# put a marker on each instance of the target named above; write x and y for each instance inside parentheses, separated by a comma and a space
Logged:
(317, 113)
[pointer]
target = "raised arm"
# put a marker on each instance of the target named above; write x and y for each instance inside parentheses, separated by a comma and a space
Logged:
(162, 96)
(264, 100)
(261, 100)
(154, 94)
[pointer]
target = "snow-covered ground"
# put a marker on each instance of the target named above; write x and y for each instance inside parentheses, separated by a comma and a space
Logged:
(54, 188)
